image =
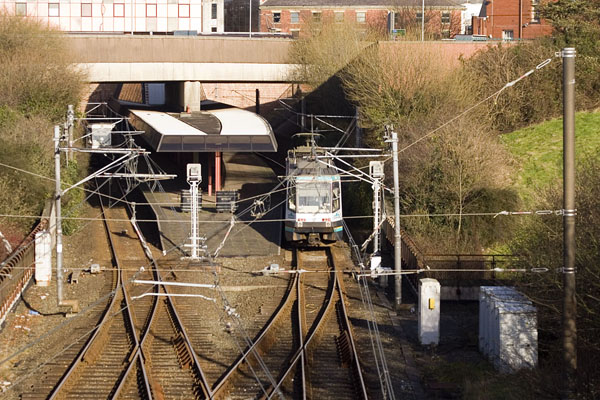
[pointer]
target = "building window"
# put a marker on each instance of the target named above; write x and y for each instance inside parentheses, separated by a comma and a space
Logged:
(507, 35)
(53, 10)
(276, 17)
(535, 11)
(445, 18)
(316, 16)
(151, 10)
(119, 10)
(184, 11)
(86, 9)
(361, 17)
(339, 16)
(213, 29)
(213, 11)
(21, 9)
(397, 21)
(294, 17)
(419, 18)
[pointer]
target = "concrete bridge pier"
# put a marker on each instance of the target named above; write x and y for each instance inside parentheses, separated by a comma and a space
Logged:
(187, 95)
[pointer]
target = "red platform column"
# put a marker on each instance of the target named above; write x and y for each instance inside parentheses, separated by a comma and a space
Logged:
(210, 177)
(217, 171)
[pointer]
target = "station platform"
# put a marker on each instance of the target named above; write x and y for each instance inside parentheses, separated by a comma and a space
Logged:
(245, 172)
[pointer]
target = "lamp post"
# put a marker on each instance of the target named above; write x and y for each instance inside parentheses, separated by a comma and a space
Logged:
(423, 21)
(249, 18)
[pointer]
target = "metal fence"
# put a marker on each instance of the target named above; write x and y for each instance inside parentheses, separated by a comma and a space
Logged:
(17, 270)
(458, 269)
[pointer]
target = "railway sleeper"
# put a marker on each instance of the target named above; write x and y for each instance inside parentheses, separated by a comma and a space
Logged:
(158, 393)
(96, 347)
(183, 352)
(345, 353)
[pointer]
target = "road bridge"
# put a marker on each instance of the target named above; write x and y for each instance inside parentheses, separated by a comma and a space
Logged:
(222, 68)
(124, 58)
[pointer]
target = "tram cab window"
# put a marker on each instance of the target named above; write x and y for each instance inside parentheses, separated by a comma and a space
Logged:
(337, 195)
(314, 197)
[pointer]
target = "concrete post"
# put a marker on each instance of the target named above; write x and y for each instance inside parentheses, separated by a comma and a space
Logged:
(397, 235)
(429, 311)
(43, 258)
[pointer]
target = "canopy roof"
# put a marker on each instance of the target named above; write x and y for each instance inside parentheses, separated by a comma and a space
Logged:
(225, 129)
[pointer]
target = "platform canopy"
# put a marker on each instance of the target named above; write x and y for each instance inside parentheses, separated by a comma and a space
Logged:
(217, 130)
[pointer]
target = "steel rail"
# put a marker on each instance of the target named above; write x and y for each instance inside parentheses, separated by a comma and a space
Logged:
(200, 376)
(301, 354)
(137, 353)
(348, 327)
(134, 353)
(222, 384)
(303, 330)
(105, 317)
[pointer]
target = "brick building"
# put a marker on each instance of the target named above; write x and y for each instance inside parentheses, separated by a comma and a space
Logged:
(511, 19)
(442, 17)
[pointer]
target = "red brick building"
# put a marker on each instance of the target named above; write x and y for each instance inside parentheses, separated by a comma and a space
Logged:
(442, 17)
(511, 19)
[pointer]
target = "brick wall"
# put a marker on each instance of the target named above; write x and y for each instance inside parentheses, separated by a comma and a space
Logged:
(508, 15)
(374, 19)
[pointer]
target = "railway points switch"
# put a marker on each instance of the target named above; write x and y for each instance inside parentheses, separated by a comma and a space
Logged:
(95, 268)
(429, 311)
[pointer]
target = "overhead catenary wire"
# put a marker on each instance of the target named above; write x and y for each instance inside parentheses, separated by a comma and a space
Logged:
(387, 387)
(463, 113)
(238, 221)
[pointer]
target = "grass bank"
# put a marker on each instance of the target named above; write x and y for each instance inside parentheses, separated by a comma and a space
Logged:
(537, 150)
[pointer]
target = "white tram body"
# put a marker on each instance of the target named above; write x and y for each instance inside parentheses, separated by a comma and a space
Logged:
(314, 198)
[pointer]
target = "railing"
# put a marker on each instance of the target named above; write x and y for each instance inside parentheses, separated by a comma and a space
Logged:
(461, 268)
(412, 258)
(17, 270)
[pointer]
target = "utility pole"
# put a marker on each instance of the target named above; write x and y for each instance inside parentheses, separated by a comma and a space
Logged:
(249, 18)
(61, 302)
(569, 212)
(57, 201)
(397, 235)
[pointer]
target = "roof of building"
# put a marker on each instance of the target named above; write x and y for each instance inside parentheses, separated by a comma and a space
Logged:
(390, 4)
(225, 129)
(483, 11)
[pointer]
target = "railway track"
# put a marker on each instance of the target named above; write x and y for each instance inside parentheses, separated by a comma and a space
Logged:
(140, 349)
(307, 349)
(101, 369)
(150, 344)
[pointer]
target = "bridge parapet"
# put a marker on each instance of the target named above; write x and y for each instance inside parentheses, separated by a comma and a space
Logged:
(178, 49)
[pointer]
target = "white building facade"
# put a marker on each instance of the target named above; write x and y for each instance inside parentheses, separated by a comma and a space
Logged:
(471, 9)
(142, 16)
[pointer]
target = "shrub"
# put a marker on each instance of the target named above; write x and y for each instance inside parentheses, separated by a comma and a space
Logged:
(37, 82)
